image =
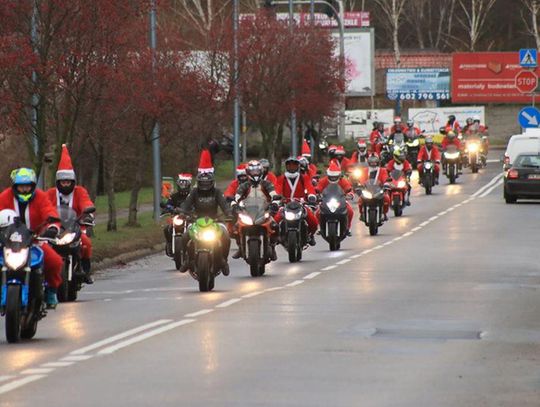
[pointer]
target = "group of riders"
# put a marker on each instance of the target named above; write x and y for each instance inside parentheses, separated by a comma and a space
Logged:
(38, 209)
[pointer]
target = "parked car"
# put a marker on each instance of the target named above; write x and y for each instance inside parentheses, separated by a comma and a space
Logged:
(522, 180)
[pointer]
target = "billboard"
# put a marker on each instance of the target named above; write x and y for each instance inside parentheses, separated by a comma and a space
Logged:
(359, 123)
(359, 60)
(418, 83)
(431, 119)
(486, 77)
(350, 18)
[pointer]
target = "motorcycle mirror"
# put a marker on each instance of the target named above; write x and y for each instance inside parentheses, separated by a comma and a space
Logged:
(90, 209)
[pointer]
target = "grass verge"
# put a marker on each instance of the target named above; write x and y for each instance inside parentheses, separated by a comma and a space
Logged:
(122, 199)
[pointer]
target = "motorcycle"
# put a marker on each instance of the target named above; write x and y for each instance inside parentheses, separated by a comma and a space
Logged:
(68, 246)
(293, 230)
(204, 252)
(372, 205)
(22, 300)
(398, 142)
(473, 153)
(428, 176)
(178, 228)
(413, 147)
(333, 216)
(386, 150)
(398, 191)
(452, 158)
(255, 228)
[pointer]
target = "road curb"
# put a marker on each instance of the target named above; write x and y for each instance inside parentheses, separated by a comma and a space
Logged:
(124, 258)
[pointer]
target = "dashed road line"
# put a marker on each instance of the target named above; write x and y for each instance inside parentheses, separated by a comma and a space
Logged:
(76, 358)
(228, 303)
(199, 313)
(355, 256)
(268, 290)
(345, 261)
(328, 268)
(416, 229)
(57, 364)
(253, 294)
(42, 370)
(295, 283)
(19, 383)
(312, 275)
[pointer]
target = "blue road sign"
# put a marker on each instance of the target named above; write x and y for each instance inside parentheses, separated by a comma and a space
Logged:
(529, 117)
(528, 58)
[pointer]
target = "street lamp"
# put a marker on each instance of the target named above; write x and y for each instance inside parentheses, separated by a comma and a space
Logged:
(236, 108)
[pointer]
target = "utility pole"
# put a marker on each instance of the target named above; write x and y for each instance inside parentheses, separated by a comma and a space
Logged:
(294, 138)
(35, 95)
(156, 154)
(236, 108)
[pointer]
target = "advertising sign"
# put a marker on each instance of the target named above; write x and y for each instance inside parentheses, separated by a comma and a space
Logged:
(487, 77)
(360, 60)
(431, 119)
(359, 123)
(418, 83)
(351, 19)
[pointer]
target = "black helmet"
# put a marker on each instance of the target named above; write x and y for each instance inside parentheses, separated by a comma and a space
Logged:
(205, 181)
(469, 121)
(442, 130)
(451, 118)
(254, 171)
(183, 182)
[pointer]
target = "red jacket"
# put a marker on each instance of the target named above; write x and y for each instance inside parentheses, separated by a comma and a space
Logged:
(453, 127)
(37, 211)
(433, 155)
(271, 177)
(300, 187)
(374, 137)
(343, 183)
(381, 176)
(230, 192)
(446, 142)
(312, 170)
(391, 166)
(79, 202)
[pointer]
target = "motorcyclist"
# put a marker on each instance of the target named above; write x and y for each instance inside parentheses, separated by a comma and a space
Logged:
(204, 201)
(478, 130)
(378, 173)
(400, 163)
(183, 185)
(412, 131)
(398, 129)
(361, 153)
(293, 185)
(34, 209)
(450, 139)
(375, 138)
(397, 123)
(67, 193)
(341, 158)
(241, 177)
(335, 176)
(255, 179)
(429, 152)
(306, 153)
(267, 174)
(452, 124)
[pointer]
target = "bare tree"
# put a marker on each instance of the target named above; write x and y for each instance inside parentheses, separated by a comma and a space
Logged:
(530, 18)
(431, 21)
(475, 13)
(393, 12)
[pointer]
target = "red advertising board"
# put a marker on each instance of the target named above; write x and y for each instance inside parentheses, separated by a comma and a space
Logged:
(487, 77)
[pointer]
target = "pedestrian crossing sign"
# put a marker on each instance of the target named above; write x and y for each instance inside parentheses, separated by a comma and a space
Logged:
(528, 58)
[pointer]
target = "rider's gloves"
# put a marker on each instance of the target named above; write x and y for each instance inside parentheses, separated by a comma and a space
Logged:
(51, 232)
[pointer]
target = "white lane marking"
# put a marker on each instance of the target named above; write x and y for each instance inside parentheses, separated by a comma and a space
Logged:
(490, 190)
(199, 313)
(120, 336)
(416, 229)
(407, 234)
(312, 275)
(493, 160)
(144, 336)
(395, 239)
(377, 247)
(442, 213)
(488, 185)
(5, 378)
(328, 268)
(57, 364)
(76, 358)
(228, 303)
(19, 383)
(366, 251)
(42, 370)
(253, 294)
(269, 290)
(424, 223)
(433, 218)
(295, 283)
(457, 205)
(345, 261)
(356, 256)
(388, 243)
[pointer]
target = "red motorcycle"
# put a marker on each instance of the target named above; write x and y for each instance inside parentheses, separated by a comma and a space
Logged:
(398, 191)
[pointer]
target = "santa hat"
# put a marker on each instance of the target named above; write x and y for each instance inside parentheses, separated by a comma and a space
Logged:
(340, 150)
(205, 163)
(65, 168)
(306, 151)
(241, 169)
(334, 169)
(185, 176)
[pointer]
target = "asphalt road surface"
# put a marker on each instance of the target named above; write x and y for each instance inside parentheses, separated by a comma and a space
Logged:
(441, 309)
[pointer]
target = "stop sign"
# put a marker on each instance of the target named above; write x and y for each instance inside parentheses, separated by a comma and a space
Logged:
(526, 81)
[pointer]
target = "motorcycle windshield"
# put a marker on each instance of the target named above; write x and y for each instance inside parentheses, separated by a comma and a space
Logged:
(396, 174)
(333, 191)
(255, 204)
(398, 138)
(16, 236)
(68, 217)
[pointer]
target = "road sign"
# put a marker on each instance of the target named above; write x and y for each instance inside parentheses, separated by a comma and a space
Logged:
(528, 58)
(529, 117)
(526, 81)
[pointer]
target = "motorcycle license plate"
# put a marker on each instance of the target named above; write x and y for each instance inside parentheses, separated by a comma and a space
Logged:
(534, 176)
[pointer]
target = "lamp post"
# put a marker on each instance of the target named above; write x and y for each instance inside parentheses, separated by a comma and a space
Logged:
(156, 155)
(35, 96)
(294, 137)
(236, 108)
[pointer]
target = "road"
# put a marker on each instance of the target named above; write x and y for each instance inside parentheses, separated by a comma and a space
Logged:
(440, 309)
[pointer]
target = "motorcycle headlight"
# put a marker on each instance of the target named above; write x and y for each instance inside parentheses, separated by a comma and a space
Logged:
(178, 221)
(66, 239)
(245, 219)
(208, 235)
(366, 194)
(451, 156)
(473, 147)
(401, 184)
(15, 260)
(333, 205)
(292, 215)
(427, 166)
(357, 173)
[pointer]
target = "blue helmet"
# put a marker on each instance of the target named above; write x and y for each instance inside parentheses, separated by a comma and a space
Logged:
(23, 176)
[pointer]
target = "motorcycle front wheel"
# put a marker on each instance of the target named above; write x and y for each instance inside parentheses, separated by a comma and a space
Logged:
(206, 278)
(292, 247)
(452, 174)
(256, 266)
(373, 222)
(333, 239)
(13, 314)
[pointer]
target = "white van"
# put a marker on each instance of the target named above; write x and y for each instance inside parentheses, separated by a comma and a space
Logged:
(529, 142)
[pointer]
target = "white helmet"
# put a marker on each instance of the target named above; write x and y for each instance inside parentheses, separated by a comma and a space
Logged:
(7, 217)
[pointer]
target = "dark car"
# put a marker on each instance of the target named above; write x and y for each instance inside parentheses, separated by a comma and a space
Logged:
(523, 178)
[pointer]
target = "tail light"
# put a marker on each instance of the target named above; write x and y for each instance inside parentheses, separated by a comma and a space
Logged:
(513, 174)
(506, 159)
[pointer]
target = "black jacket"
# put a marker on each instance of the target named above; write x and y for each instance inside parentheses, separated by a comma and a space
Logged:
(205, 203)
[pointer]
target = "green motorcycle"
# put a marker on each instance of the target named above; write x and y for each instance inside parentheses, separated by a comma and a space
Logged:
(203, 249)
